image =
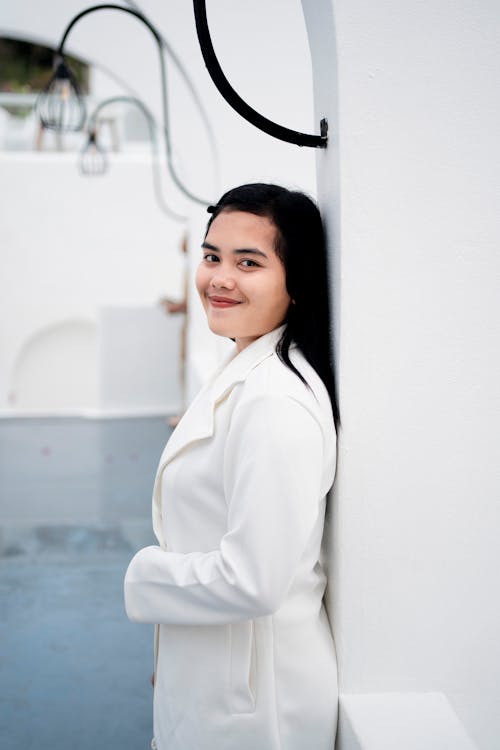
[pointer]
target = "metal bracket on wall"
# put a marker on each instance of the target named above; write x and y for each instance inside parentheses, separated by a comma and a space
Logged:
(235, 100)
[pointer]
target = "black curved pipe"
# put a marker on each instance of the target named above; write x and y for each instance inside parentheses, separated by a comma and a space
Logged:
(152, 127)
(235, 100)
(155, 33)
(194, 94)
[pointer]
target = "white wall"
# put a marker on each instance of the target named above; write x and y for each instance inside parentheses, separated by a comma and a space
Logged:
(410, 190)
(71, 245)
(262, 47)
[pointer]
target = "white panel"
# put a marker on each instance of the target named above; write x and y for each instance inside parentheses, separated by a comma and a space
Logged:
(139, 360)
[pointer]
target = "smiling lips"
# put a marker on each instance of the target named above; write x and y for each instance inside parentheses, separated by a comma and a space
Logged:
(219, 302)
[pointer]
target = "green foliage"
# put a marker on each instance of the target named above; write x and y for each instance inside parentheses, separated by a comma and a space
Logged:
(25, 68)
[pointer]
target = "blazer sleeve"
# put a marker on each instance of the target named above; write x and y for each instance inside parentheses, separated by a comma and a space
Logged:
(273, 469)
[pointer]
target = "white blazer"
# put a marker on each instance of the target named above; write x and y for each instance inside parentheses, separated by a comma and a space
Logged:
(244, 654)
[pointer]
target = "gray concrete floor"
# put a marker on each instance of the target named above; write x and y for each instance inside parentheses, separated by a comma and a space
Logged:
(74, 672)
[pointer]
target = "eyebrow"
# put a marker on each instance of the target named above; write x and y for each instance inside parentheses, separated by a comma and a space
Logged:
(236, 251)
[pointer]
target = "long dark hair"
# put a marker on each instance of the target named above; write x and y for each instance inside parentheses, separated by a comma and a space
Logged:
(300, 245)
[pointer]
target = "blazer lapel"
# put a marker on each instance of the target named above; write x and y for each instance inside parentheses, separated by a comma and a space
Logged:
(198, 421)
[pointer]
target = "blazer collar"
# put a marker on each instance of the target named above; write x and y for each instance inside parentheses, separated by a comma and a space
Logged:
(198, 421)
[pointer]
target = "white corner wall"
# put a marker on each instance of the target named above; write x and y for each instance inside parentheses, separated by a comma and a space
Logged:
(410, 190)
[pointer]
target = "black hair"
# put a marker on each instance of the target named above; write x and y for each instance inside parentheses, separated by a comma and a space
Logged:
(300, 244)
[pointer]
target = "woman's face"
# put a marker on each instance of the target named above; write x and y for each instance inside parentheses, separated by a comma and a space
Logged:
(241, 280)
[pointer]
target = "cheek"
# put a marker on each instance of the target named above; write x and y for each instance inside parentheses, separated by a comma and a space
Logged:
(283, 304)
(279, 293)
(273, 300)
(201, 280)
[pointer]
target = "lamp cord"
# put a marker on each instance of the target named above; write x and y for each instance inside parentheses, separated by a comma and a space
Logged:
(154, 146)
(163, 72)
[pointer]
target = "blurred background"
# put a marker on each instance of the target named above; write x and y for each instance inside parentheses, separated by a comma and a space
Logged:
(102, 337)
(103, 341)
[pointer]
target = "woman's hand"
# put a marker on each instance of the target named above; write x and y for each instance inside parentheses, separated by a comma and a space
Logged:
(172, 307)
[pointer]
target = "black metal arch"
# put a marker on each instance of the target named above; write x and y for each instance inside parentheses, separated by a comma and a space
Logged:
(235, 100)
(106, 6)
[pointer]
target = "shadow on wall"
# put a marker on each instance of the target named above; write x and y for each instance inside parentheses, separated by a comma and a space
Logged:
(55, 370)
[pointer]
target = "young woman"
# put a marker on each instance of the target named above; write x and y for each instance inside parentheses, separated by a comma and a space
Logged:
(244, 657)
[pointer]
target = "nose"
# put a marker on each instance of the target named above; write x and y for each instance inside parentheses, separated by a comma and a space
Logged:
(222, 279)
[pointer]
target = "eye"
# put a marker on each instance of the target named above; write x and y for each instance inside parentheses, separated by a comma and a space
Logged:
(210, 257)
(247, 263)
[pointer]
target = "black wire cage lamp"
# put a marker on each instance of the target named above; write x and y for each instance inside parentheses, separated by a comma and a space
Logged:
(60, 105)
(51, 104)
(93, 158)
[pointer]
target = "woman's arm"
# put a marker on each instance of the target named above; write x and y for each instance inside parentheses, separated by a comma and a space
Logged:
(273, 481)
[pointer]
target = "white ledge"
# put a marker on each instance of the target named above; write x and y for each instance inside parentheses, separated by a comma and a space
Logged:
(108, 413)
(399, 721)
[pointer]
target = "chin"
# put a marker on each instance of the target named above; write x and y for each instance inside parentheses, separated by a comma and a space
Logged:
(221, 330)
